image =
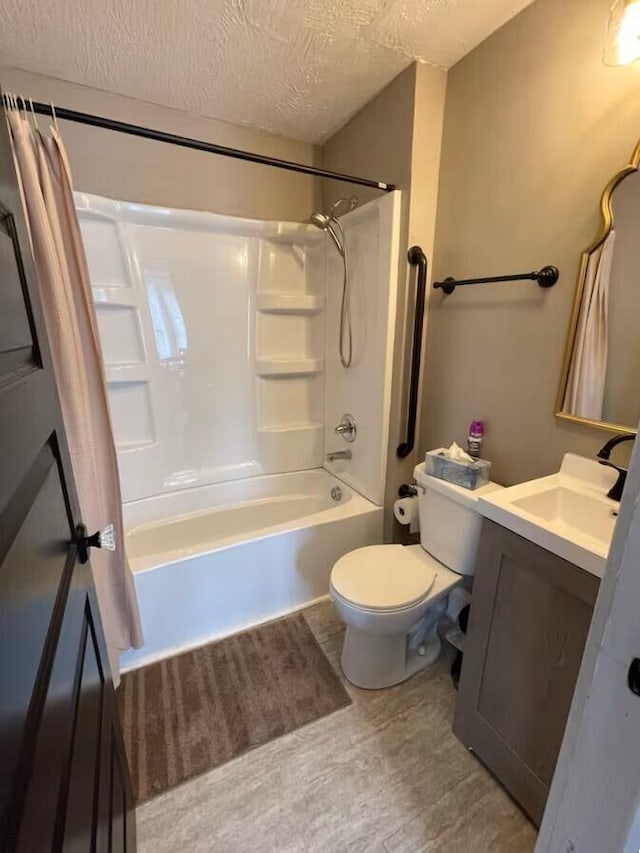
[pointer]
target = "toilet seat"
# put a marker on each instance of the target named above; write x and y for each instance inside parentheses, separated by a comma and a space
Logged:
(381, 578)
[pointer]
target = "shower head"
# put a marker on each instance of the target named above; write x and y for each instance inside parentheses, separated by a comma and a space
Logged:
(325, 223)
(320, 220)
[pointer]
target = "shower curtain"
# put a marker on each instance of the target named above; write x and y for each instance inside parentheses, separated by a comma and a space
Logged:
(45, 178)
(584, 395)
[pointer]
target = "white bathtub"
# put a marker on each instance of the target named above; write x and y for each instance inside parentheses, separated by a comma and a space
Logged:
(211, 561)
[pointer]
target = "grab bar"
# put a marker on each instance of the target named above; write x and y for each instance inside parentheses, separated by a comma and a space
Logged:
(417, 258)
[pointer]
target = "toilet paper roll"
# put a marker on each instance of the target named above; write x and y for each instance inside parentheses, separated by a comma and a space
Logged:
(406, 511)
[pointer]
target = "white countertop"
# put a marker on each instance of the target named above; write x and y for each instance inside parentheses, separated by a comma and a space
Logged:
(567, 513)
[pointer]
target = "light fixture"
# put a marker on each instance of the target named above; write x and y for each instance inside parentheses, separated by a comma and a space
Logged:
(622, 42)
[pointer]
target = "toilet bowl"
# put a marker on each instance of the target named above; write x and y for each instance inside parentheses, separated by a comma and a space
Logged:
(391, 597)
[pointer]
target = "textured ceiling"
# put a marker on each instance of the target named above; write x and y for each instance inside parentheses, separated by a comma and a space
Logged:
(299, 68)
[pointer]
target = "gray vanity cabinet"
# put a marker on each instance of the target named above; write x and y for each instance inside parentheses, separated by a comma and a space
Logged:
(529, 621)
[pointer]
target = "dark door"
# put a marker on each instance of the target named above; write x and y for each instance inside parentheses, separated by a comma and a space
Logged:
(64, 781)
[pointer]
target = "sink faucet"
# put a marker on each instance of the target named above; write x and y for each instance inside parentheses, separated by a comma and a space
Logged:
(615, 493)
(338, 454)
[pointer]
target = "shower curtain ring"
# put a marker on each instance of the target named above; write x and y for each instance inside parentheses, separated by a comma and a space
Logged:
(34, 116)
(55, 117)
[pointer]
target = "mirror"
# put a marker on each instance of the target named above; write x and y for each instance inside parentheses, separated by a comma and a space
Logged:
(600, 382)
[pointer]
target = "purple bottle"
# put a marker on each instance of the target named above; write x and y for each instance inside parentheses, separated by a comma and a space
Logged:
(474, 439)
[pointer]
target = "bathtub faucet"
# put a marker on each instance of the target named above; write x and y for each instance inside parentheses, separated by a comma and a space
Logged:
(338, 454)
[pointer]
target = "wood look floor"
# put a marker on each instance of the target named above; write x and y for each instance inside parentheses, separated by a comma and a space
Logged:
(384, 775)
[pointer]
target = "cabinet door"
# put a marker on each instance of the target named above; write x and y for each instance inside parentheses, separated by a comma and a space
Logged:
(529, 621)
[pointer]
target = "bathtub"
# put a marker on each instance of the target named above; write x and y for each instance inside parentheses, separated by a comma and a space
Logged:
(210, 561)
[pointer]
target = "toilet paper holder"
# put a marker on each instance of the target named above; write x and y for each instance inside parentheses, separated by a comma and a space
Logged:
(405, 508)
(407, 490)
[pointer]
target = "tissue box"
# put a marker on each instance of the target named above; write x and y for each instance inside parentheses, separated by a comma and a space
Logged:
(469, 475)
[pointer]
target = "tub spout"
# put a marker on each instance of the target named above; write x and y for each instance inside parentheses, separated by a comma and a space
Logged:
(338, 454)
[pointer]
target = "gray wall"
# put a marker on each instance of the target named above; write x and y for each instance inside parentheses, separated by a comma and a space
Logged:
(535, 126)
(124, 167)
(375, 143)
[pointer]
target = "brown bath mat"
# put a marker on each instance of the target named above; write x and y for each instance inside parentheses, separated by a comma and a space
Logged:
(188, 714)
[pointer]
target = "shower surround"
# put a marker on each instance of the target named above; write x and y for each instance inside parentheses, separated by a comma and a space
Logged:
(220, 342)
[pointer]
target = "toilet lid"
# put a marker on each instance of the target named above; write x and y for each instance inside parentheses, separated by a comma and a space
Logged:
(383, 577)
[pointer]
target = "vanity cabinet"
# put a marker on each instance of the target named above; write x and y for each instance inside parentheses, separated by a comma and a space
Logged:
(529, 620)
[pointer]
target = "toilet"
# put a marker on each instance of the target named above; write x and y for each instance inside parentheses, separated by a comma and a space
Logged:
(391, 597)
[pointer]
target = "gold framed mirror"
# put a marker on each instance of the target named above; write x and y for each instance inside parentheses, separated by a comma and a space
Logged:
(600, 378)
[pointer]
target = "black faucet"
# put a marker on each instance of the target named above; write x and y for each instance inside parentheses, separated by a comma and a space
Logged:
(615, 493)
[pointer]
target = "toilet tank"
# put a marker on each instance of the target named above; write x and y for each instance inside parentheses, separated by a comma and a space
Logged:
(449, 520)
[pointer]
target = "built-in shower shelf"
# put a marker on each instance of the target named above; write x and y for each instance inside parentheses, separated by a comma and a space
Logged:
(289, 303)
(295, 233)
(289, 428)
(129, 446)
(282, 368)
(119, 373)
(115, 296)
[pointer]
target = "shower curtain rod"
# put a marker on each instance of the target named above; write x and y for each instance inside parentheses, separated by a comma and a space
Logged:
(196, 144)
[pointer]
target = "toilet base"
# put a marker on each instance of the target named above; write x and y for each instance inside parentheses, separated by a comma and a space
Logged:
(376, 661)
(385, 647)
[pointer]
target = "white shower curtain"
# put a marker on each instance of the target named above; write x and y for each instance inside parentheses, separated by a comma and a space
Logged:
(584, 395)
(45, 177)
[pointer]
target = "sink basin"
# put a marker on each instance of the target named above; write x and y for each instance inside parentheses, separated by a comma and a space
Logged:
(567, 513)
(573, 512)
